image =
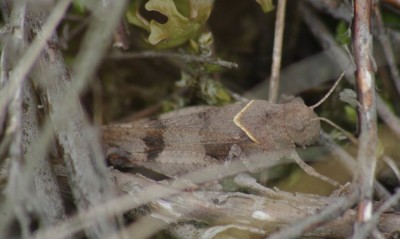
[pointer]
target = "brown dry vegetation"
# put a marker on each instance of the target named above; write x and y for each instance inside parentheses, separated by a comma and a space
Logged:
(68, 68)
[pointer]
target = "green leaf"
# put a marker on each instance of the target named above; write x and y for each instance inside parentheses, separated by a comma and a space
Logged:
(180, 26)
(351, 114)
(213, 92)
(343, 33)
(79, 6)
(134, 16)
(266, 5)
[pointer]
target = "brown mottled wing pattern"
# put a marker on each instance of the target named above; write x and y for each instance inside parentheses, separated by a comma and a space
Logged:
(175, 145)
(180, 143)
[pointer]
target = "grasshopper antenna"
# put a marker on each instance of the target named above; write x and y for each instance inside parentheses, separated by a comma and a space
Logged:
(345, 132)
(329, 93)
(348, 135)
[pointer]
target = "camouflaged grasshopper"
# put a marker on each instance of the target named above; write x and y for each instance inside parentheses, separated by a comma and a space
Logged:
(178, 143)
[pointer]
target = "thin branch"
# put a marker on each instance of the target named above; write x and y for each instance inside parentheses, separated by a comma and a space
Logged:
(365, 81)
(393, 3)
(45, 183)
(393, 166)
(388, 116)
(328, 42)
(387, 47)
(365, 229)
(341, 57)
(120, 37)
(329, 92)
(28, 59)
(343, 60)
(19, 185)
(25, 201)
(71, 33)
(184, 57)
(82, 153)
(349, 162)
(336, 8)
(318, 68)
(327, 214)
(277, 52)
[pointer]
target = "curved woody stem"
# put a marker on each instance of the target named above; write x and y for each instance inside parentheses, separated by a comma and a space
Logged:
(365, 81)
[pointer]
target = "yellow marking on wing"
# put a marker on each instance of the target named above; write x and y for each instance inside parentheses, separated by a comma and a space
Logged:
(236, 120)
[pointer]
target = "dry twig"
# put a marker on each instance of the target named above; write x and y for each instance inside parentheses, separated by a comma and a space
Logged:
(19, 205)
(277, 53)
(184, 57)
(29, 57)
(365, 79)
(87, 172)
(387, 47)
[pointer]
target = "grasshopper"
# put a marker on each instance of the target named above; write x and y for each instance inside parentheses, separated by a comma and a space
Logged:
(180, 142)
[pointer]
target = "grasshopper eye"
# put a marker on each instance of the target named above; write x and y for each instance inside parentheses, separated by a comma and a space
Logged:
(117, 156)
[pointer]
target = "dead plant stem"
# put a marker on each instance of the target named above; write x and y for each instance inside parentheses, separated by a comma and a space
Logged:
(277, 52)
(365, 82)
(184, 57)
(387, 48)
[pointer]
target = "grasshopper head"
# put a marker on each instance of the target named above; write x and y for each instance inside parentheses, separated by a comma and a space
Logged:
(300, 122)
